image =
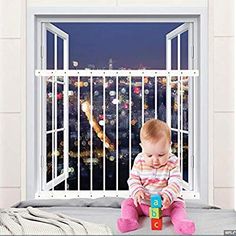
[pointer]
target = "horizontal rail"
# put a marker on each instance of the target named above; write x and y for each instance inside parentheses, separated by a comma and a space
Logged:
(117, 73)
(59, 194)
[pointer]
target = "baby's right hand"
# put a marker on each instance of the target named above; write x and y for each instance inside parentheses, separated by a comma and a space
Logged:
(138, 197)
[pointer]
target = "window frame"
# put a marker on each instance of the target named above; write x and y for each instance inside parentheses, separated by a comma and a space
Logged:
(186, 27)
(42, 127)
(135, 14)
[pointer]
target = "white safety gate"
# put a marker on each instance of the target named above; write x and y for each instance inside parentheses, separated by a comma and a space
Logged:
(60, 77)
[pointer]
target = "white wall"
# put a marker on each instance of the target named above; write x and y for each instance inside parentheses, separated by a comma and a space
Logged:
(12, 100)
(221, 96)
(13, 92)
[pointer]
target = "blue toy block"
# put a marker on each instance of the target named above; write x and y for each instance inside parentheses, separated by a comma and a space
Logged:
(156, 201)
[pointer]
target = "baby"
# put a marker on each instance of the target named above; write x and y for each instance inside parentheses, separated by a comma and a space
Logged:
(155, 170)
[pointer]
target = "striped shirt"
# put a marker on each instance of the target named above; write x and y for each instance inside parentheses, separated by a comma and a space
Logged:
(165, 179)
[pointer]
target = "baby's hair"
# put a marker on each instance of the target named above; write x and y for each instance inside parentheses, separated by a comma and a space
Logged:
(153, 130)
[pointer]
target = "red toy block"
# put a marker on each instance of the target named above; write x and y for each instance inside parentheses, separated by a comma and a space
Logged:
(156, 224)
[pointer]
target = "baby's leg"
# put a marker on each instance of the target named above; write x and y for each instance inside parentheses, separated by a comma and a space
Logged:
(129, 216)
(179, 219)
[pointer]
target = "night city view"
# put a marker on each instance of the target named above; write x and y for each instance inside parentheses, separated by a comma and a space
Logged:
(119, 46)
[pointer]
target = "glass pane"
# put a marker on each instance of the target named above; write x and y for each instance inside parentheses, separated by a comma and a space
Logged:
(184, 51)
(60, 106)
(60, 53)
(50, 53)
(184, 89)
(174, 54)
(137, 45)
(174, 145)
(49, 153)
(49, 101)
(60, 153)
(185, 158)
(174, 105)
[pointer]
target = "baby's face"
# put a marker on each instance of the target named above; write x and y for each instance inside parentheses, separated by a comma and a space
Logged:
(156, 154)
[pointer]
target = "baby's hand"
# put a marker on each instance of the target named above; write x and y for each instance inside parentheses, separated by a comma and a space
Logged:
(165, 202)
(138, 197)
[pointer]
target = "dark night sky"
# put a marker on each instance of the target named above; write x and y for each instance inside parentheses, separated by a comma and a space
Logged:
(128, 44)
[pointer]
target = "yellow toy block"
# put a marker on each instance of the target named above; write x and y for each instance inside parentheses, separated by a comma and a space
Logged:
(155, 213)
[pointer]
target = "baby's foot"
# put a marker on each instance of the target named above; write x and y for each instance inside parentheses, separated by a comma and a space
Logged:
(125, 225)
(185, 227)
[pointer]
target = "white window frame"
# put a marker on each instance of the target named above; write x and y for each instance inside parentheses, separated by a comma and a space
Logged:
(42, 124)
(176, 33)
(196, 15)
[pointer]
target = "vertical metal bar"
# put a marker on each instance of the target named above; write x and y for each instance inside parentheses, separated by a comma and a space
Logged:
(179, 140)
(195, 87)
(55, 51)
(104, 132)
(168, 100)
(180, 136)
(191, 130)
(40, 134)
(78, 112)
(130, 110)
(117, 131)
(56, 152)
(178, 54)
(43, 108)
(55, 162)
(190, 47)
(53, 129)
(190, 105)
(43, 132)
(66, 130)
(66, 110)
(142, 100)
(168, 82)
(66, 53)
(155, 97)
(55, 110)
(91, 135)
(181, 121)
(168, 53)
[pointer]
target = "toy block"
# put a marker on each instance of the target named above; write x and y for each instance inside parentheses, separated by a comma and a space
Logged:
(156, 201)
(156, 224)
(155, 213)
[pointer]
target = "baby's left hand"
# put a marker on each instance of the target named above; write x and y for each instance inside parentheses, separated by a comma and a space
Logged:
(165, 202)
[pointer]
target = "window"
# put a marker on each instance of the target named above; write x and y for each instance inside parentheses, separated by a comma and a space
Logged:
(116, 101)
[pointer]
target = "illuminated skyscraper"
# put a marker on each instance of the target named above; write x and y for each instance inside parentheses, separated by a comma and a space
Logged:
(110, 65)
